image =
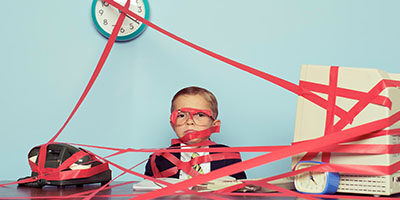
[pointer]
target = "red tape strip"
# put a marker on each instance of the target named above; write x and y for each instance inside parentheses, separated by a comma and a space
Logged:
(326, 156)
(273, 79)
(346, 93)
(311, 145)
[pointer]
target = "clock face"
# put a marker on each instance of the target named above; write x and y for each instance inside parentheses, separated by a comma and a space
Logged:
(315, 182)
(105, 17)
(310, 182)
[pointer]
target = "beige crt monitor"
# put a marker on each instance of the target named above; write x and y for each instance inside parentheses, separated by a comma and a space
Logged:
(310, 124)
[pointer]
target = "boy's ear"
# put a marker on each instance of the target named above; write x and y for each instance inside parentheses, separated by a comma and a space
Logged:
(217, 122)
(172, 125)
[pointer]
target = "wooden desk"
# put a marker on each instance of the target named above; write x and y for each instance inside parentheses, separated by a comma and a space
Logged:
(125, 192)
(52, 192)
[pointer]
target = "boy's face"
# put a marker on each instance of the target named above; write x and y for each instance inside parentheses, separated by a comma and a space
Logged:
(197, 102)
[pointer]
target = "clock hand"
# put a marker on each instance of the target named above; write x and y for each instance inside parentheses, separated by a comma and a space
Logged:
(311, 177)
(133, 19)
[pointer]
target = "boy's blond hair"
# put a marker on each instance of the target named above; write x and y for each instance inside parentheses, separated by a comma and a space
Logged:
(193, 90)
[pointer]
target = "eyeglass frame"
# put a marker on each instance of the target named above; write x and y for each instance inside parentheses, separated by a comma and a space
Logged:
(191, 111)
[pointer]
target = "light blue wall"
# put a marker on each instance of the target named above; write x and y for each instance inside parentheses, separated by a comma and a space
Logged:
(50, 48)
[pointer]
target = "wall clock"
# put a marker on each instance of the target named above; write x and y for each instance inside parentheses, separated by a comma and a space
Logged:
(105, 17)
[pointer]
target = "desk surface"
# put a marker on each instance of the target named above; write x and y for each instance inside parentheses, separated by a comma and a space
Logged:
(124, 192)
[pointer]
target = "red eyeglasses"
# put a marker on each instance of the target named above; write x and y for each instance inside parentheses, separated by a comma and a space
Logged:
(199, 117)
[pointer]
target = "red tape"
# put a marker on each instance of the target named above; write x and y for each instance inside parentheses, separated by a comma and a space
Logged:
(57, 174)
(273, 79)
(199, 134)
(360, 105)
(326, 156)
(346, 93)
(310, 145)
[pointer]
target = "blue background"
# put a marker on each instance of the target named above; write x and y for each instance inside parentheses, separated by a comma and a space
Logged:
(49, 50)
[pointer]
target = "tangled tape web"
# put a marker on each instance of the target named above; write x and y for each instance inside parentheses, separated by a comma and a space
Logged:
(334, 133)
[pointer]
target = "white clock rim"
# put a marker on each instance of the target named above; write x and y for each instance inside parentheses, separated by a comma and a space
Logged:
(330, 176)
(306, 165)
(131, 36)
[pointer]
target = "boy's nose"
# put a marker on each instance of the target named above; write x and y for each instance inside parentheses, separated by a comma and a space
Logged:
(190, 121)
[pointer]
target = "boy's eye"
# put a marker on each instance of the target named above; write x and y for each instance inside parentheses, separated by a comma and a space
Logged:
(181, 115)
(200, 114)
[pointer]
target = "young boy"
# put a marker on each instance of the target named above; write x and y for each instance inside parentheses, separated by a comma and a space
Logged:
(194, 114)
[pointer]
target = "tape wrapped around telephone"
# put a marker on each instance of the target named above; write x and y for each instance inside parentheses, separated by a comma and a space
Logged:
(62, 164)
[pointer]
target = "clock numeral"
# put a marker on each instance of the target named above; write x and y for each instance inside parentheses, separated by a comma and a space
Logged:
(105, 22)
(140, 9)
(131, 26)
(122, 30)
(104, 4)
(101, 11)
